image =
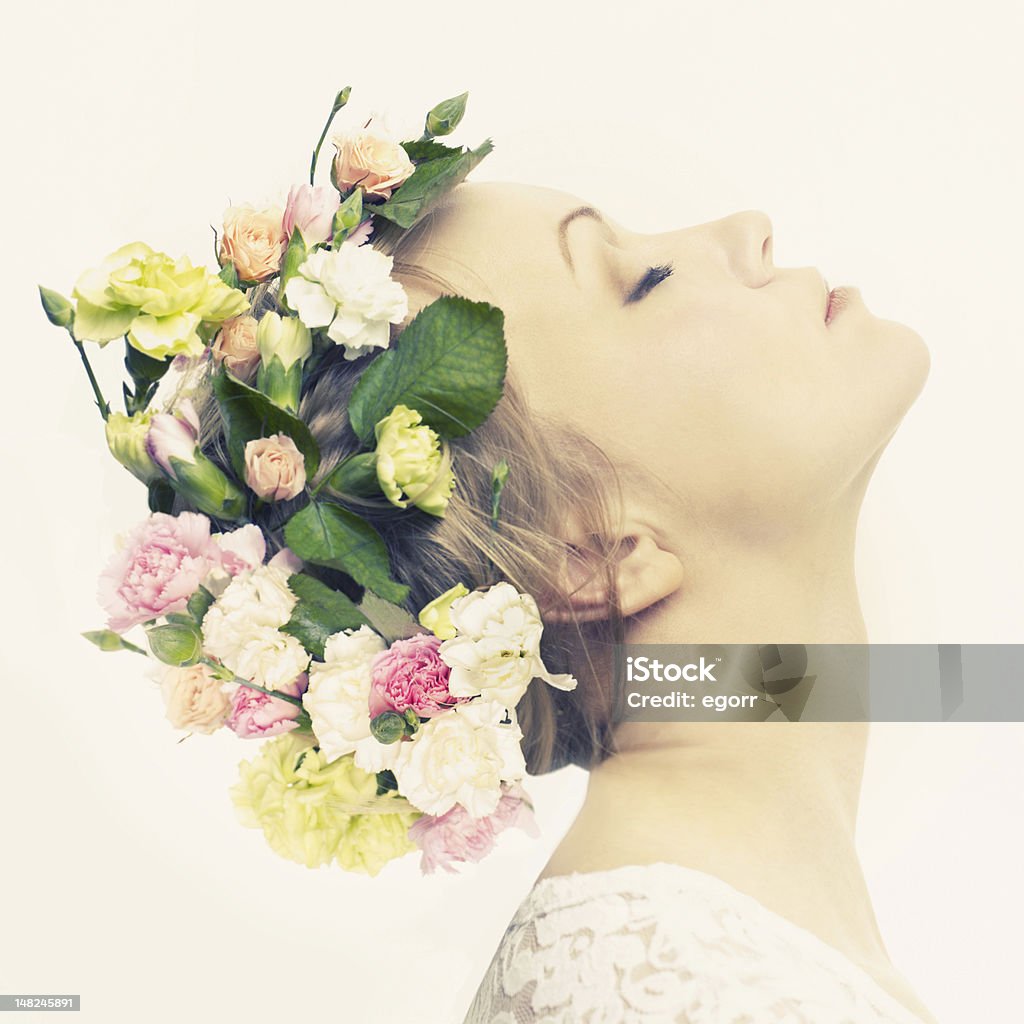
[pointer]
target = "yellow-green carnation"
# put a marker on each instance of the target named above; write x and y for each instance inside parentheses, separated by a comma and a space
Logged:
(437, 616)
(411, 464)
(309, 809)
(374, 839)
(158, 302)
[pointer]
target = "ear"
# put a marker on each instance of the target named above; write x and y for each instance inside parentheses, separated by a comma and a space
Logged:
(643, 571)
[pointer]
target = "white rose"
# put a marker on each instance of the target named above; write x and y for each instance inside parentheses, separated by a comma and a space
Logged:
(496, 650)
(338, 700)
(462, 756)
(350, 292)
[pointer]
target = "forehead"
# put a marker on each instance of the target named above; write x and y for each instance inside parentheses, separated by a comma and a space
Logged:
(483, 235)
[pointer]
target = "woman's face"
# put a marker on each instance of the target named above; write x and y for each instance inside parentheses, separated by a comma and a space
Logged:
(688, 352)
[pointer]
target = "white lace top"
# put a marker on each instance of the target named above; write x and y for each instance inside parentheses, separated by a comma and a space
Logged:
(668, 944)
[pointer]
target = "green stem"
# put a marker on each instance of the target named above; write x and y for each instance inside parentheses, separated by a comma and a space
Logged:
(219, 669)
(101, 402)
(339, 101)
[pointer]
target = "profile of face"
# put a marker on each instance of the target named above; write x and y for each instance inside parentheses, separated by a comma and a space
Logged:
(687, 353)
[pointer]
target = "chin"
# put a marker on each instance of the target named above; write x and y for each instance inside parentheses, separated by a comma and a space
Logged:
(894, 355)
(906, 355)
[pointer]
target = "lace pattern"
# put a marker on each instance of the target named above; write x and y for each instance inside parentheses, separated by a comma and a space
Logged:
(668, 944)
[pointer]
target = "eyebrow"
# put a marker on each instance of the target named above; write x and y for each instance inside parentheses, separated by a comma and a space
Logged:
(563, 230)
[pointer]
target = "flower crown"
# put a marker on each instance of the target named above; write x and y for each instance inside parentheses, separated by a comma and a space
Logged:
(384, 734)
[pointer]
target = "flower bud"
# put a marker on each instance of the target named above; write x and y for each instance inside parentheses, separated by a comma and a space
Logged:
(176, 643)
(173, 436)
(288, 339)
(445, 117)
(388, 727)
(126, 438)
(58, 310)
(311, 209)
(172, 443)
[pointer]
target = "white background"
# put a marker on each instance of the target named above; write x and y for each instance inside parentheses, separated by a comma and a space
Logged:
(884, 141)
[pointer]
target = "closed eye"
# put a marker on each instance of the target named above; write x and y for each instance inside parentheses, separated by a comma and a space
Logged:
(653, 277)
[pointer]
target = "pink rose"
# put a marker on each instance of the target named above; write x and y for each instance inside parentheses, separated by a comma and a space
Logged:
(235, 346)
(194, 699)
(161, 565)
(411, 674)
(456, 836)
(311, 209)
(372, 160)
(275, 469)
(254, 241)
(256, 715)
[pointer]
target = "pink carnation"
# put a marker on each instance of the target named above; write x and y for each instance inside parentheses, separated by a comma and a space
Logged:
(456, 836)
(161, 565)
(256, 715)
(411, 674)
(241, 549)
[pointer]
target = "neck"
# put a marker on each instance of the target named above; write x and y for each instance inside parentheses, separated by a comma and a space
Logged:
(798, 588)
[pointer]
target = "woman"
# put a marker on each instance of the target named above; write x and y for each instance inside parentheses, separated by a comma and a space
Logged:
(690, 431)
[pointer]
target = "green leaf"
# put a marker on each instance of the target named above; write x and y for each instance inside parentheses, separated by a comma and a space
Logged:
(347, 217)
(327, 534)
(427, 149)
(294, 256)
(356, 476)
(386, 782)
(499, 477)
(320, 613)
(449, 365)
(389, 620)
(199, 603)
(431, 179)
(229, 275)
(161, 496)
(143, 368)
(249, 414)
(108, 640)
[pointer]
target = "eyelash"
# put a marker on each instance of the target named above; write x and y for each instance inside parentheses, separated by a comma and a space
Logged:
(653, 277)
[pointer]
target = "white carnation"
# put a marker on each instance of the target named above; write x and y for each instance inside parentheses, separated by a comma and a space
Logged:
(461, 756)
(269, 658)
(350, 292)
(241, 629)
(338, 700)
(496, 650)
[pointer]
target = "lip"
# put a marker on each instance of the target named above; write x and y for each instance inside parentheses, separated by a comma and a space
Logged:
(838, 299)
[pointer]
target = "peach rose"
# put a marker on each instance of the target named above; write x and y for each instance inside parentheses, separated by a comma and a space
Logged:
(275, 469)
(254, 241)
(194, 699)
(235, 346)
(372, 160)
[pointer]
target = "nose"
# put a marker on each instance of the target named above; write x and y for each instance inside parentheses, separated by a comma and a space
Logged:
(747, 242)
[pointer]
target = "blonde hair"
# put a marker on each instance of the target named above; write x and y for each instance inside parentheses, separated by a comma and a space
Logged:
(556, 475)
